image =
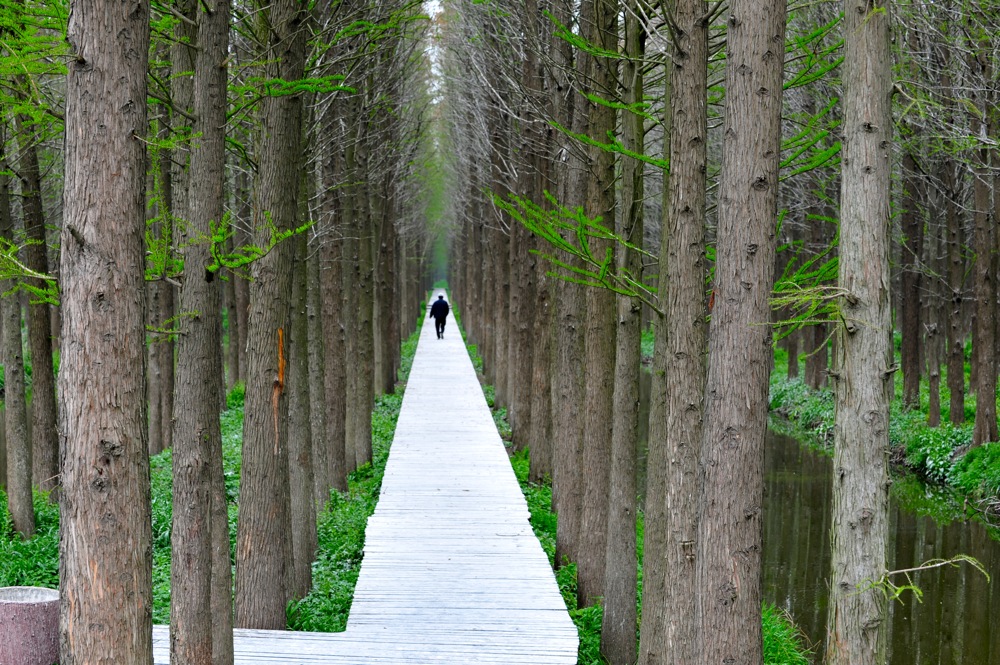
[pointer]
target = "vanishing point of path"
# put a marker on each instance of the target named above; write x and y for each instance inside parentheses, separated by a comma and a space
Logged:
(452, 572)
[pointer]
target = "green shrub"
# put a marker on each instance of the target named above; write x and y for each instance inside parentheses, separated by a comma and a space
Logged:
(784, 643)
(33, 562)
(978, 472)
(930, 450)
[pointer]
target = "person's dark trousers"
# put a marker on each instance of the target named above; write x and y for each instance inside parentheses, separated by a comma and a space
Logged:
(439, 327)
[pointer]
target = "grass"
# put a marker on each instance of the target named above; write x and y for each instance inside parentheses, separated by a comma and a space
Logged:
(340, 527)
(783, 642)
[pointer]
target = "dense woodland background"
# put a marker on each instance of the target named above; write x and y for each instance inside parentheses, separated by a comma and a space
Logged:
(198, 195)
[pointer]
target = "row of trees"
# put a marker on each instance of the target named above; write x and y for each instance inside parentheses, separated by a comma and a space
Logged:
(243, 198)
(751, 147)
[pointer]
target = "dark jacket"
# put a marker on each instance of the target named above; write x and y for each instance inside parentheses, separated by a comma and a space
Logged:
(440, 309)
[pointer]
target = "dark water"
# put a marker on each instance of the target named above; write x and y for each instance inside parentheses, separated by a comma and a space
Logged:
(958, 620)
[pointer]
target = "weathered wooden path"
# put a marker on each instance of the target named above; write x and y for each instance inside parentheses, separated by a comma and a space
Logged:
(452, 572)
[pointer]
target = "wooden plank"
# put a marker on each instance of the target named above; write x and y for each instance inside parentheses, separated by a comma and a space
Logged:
(452, 572)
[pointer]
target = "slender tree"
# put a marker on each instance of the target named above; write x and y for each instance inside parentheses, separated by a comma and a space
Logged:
(864, 363)
(728, 550)
(672, 542)
(18, 472)
(263, 541)
(196, 429)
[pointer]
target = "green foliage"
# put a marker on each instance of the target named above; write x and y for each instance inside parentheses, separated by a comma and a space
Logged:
(33, 562)
(784, 643)
(930, 450)
(341, 534)
(978, 471)
(571, 233)
(648, 344)
(811, 412)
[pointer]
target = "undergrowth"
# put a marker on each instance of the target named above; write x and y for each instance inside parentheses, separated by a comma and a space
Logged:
(942, 454)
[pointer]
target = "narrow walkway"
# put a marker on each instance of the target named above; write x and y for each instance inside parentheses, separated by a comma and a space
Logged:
(452, 572)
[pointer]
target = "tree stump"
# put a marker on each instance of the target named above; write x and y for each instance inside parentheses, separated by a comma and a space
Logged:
(29, 626)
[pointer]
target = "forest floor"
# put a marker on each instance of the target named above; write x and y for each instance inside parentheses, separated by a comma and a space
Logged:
(942, 456)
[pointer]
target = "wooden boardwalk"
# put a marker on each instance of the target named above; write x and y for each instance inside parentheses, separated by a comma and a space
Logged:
(452, 572)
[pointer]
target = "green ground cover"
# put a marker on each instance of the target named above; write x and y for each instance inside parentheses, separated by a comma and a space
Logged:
(340, 526)
(943, 455)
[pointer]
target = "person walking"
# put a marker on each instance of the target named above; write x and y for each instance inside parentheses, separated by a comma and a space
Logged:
(439, 310)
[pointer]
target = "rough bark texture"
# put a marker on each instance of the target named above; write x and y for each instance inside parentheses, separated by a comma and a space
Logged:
(317, 382)
(263, 540)
(45, 438)
(618, 628)
(540, 432)
(682, 271)
(300, 459)
(729, 535)
(984, 277)
(19, 453)
(857, 615)
(956, 277)
(910, 301)
(568, 388)
(105, 563)
(335, 369)
(197, 437)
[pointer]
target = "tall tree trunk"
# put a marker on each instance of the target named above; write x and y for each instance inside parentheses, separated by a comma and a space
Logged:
(618, 629)
(910, 300)
(360, 397)
(105, 615)
(672, 522)
(318, 404)
(739, 339)
(15, 417)
(984, 337)
(159, 291)
(300, 456)
(956, 277)
(568, 387)
(45, 438)
(197, 433)
(263, 552)
(857, 612)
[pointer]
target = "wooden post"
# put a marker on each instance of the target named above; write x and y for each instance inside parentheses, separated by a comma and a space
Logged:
(29, 625)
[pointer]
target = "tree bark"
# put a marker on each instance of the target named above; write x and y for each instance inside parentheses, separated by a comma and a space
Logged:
(300, 458)
(105, 528)
(672, 541)
(263, 541)
(196, 429)
(618, 628)
(984, 334)
(728, 550)
(909, 302)
(15, 417)
(45, 438)
(857, 613)
(318, 404)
